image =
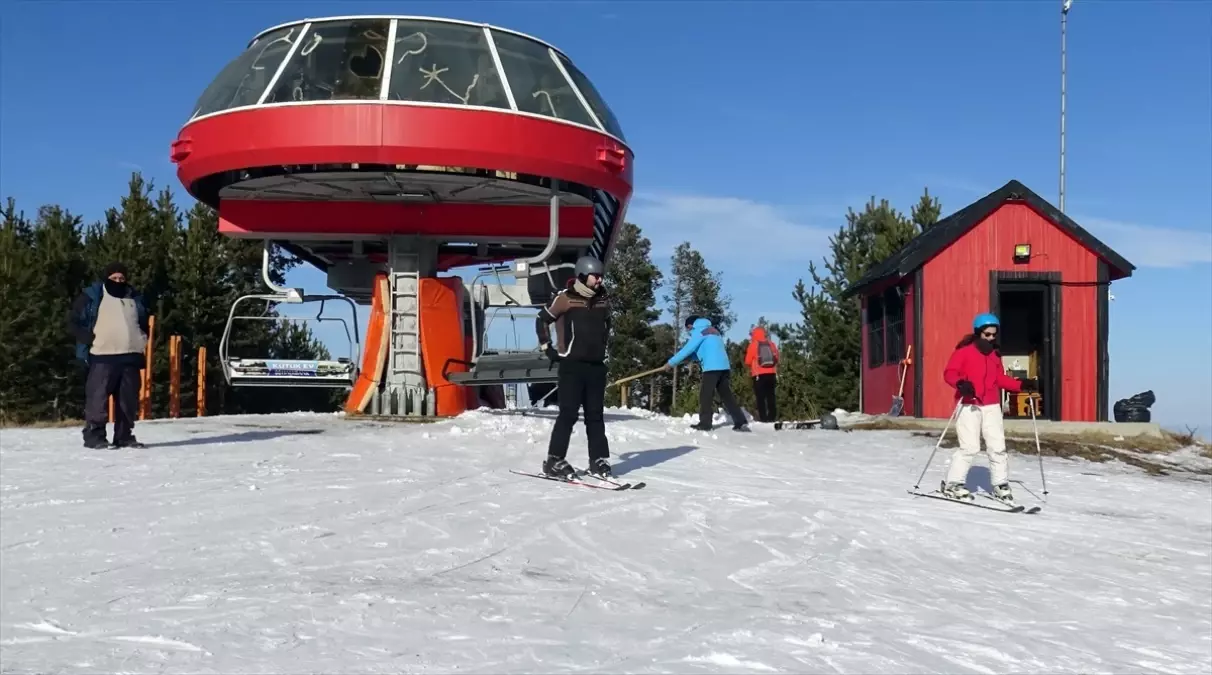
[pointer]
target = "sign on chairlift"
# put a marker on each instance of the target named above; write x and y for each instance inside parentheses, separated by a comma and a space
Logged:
(296, 368)
(290, 368)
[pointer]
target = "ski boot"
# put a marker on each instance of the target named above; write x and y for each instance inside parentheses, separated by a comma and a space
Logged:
(130, 442)
(94, 437)
(741, 427)
(600, 468)
(1002, 493)
(955, 491)
(701, 427)
(556, 467)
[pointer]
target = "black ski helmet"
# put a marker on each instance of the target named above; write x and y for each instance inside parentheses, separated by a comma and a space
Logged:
(587, 265)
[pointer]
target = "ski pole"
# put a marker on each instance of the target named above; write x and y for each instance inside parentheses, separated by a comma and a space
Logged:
(1038, 452)
(938, 445)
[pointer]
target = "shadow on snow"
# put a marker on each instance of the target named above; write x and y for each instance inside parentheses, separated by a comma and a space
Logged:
(239, 437)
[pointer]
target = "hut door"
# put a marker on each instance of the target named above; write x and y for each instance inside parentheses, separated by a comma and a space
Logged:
(1027, 347)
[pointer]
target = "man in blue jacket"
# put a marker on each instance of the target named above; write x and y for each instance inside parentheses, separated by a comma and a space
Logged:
(706, 345)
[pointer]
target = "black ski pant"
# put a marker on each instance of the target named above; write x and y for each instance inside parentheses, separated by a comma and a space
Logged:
(105, 379)
(718, 381)
(582, 384)
(763, 391)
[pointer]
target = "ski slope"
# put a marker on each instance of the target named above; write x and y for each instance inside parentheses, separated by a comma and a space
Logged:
(308, 543)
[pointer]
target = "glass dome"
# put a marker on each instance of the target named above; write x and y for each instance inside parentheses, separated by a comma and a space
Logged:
(409, 60)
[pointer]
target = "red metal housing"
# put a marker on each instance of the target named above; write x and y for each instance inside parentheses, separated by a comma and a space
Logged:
(379, 150)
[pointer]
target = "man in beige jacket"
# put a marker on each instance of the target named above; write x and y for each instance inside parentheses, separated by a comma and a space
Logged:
(110, 323)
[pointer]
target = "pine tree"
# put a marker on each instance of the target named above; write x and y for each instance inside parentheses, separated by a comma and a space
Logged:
(202, 299)
(632, 281)
(189, 276)
(62, 272)
(661, 345)
(696, 291)
(18, 275)
(926, 212)
(832, 323)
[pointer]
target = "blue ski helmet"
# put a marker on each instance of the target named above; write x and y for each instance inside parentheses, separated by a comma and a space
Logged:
(983, 320)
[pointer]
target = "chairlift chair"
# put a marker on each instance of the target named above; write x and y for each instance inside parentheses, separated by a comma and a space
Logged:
(337, 373)
(504, 366)
(241, 372)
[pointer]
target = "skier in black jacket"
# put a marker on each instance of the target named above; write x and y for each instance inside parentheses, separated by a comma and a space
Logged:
(581, 314)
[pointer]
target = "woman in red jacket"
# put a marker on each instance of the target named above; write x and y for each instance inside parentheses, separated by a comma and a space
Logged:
(975, 371)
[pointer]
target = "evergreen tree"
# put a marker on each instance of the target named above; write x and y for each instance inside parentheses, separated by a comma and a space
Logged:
(202, 299)
(18, 277)
(62, 271)
(696, 291)
(189, 275)
(926, 212)
(632, 280)
(832, 324)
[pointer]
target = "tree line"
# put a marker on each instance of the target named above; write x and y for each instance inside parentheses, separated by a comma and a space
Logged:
(190, 275)
(820, 353)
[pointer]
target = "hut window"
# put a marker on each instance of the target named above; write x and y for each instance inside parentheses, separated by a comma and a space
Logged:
(875, 331)
(894, 316)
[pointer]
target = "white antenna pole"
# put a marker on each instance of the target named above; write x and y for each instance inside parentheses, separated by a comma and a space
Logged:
(1065, 5)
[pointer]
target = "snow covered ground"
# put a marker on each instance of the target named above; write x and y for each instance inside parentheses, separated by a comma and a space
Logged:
(307, 543)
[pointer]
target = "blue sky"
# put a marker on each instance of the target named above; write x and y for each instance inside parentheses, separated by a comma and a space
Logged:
(755, 126)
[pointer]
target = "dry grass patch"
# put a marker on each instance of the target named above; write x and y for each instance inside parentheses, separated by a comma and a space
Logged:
(1093, 445)
(41, 424)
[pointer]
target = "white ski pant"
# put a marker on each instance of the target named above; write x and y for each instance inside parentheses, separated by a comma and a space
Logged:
(972, 423)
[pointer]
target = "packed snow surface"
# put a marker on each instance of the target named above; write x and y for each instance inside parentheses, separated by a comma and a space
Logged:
(311, 543)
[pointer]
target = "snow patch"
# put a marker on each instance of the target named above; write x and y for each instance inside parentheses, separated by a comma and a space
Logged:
(789, 551)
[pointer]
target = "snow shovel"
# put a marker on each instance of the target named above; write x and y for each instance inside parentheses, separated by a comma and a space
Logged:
(898, 401)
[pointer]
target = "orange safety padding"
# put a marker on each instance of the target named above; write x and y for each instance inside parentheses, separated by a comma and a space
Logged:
(440, 305)
(374, 357)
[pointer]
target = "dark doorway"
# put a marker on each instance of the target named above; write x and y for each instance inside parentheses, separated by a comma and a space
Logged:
(1027, 312)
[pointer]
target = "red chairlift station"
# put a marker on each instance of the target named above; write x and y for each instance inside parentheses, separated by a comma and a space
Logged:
(386, 151)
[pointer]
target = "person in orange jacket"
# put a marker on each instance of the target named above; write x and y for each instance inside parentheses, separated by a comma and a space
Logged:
(762, 357)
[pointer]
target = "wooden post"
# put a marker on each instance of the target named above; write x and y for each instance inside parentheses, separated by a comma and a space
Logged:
(625, 387)
(174, 376)
(146, 381)
(201, 393)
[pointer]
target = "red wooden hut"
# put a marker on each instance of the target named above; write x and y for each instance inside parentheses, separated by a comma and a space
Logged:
(1015, 255)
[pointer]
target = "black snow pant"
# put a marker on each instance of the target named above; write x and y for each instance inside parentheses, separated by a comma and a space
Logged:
(581, 384)
(106, 378)
(713, 381)
(763, 391)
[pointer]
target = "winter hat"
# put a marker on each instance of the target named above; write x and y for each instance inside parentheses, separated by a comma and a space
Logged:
(115, 268)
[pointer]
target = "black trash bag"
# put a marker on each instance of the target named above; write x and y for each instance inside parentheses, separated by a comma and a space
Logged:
(1134, 408)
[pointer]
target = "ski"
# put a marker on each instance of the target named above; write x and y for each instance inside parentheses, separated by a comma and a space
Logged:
(620, 486)
(634, 486)
(1020, 508)
(1003, 507)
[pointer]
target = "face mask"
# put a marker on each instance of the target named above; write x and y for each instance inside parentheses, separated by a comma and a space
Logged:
(115, 288)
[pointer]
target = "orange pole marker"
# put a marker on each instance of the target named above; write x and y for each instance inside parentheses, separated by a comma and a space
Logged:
(174, 376)
(201, 393)
(146, 380)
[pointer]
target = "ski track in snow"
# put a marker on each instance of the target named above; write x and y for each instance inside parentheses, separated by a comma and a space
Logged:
(241, 545)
